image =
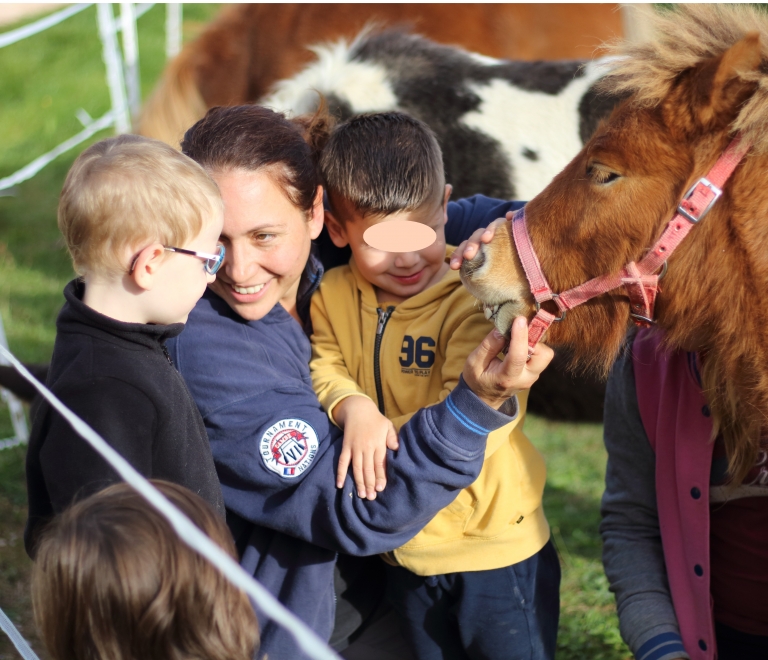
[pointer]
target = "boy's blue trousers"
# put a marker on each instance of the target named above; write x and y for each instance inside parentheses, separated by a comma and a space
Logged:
(503, 614)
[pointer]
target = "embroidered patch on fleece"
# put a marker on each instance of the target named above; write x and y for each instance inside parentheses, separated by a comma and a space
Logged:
(288, 447)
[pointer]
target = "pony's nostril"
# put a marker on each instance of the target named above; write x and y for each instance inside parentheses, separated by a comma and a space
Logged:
(469, 266)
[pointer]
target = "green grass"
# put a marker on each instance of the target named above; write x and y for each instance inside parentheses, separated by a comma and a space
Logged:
(575, 475)
(44, 80)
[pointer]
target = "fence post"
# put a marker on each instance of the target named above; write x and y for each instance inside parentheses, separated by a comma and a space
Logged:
(131, 55)
(172, 29)
(113, 62)
(19, 421)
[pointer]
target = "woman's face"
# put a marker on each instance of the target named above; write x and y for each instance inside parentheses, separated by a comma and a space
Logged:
(268, 241)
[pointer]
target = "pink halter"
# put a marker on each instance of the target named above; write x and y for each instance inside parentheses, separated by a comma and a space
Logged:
(639, 279)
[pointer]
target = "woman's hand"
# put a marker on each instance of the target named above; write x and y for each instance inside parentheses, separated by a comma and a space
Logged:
(367, 436)
(468, 249)
(494, 380)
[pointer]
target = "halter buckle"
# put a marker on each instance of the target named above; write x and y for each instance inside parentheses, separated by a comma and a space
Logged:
(703, 181)
(641, 320)
(562, 311)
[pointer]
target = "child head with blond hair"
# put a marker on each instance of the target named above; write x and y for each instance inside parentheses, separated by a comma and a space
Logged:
(132, 212)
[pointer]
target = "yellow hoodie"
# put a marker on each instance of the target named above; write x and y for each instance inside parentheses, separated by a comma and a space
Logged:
(409, 356)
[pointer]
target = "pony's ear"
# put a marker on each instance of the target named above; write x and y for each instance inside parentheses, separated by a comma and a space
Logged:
(720, 86)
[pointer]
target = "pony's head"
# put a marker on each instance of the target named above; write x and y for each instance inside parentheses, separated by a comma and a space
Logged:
(700, 81)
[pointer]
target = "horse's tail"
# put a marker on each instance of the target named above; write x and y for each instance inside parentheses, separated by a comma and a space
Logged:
(175, 104)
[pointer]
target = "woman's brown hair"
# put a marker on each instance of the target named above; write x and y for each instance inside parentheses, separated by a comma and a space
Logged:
(112, 581)
(251, 137)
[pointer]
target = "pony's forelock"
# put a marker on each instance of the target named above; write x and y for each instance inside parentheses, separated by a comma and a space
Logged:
(680, 39)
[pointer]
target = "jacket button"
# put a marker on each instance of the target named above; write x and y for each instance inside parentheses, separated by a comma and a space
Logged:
(695, 493)
(698, 570)
(702, 645)
(705, 411)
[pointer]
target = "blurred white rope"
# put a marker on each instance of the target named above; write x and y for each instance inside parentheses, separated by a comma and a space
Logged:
(131, 57)
(14, 635)
(120, 113)
(39, 163)
(110, 53)
(305, 637)
(8, 38)
(172, 29)
(143, 8)
(18, 420)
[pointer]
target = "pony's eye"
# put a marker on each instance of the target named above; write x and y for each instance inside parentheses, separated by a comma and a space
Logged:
(600, 175)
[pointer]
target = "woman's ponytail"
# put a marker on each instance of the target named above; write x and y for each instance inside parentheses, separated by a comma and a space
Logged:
(316, 128)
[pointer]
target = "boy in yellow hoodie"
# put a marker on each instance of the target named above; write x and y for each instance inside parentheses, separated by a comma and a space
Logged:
(391, 333)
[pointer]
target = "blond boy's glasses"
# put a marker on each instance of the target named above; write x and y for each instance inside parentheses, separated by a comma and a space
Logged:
(212, 261)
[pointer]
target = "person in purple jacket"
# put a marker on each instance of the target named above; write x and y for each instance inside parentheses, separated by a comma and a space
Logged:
(245, 353)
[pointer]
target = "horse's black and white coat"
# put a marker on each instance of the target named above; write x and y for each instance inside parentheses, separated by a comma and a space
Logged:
(505, 127)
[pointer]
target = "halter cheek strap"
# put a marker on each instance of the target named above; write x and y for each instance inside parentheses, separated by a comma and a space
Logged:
(639, 279)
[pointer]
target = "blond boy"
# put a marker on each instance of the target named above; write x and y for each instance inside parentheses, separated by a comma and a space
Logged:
(141, 223)
(391, 333)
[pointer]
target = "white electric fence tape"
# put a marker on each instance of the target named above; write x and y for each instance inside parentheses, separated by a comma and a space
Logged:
(306, 638)
(119, 114)
(8, 38)
(14, 635)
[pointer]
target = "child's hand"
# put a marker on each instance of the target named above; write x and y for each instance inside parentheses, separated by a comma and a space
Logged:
(495, 381)
(468, 249)
(367, 436)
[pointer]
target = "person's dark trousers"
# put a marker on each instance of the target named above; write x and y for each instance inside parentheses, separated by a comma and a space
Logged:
(503, 614)
(733, 644)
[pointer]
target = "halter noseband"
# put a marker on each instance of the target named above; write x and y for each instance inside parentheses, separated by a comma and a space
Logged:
(639, 279)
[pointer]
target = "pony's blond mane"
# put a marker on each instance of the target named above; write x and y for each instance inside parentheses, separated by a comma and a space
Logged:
(680, 39)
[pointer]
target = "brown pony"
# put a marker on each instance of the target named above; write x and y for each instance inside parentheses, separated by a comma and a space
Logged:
(702, 79)
(249, 47)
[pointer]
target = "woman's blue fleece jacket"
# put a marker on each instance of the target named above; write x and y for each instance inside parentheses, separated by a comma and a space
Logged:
(249, 377)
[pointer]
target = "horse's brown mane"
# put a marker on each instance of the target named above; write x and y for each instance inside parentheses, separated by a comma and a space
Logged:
(734, 373)
(710, 301)
(683, 37)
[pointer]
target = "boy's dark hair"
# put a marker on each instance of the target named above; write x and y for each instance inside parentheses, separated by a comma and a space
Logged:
(382, 163)
(112, 580)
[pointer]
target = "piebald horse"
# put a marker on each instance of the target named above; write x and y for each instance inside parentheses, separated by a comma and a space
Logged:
(249, 47)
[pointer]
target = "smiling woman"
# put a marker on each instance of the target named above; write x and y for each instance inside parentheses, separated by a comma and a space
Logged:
(268, 249)
(245, 354)
(274, 202)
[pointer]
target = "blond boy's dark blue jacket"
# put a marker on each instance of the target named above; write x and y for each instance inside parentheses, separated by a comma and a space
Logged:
(117, 377)
(249, 378)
